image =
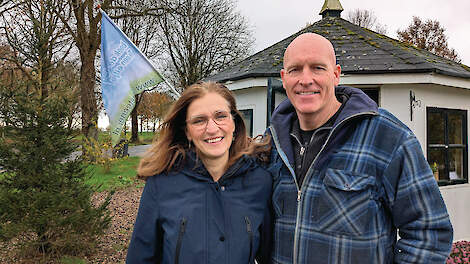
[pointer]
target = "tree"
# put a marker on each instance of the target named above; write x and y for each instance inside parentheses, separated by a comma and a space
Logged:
(428, 35)
(153, 107)
(44, 201)
(37, 48)
(202, 37)
(81, 19)
(366, 19)
(36, 39)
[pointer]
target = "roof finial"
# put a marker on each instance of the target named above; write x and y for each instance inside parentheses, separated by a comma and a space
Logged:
(331, 8)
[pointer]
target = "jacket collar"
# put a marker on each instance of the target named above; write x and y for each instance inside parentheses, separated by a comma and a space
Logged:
(193, 167)
(358, 102)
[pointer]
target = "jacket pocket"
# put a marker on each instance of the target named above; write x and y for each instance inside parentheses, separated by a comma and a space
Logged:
(180, 239)
(249, 231)
(284, 199)
(344, 204)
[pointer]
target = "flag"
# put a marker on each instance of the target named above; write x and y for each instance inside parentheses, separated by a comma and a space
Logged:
(125, 72)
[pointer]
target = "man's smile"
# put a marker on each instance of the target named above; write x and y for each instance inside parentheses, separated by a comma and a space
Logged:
(307, 92)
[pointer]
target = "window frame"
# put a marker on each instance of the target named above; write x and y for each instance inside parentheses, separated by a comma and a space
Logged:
(446, 147)
(250, 111)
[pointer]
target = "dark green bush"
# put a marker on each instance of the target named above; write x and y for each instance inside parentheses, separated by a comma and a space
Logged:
(45, 204)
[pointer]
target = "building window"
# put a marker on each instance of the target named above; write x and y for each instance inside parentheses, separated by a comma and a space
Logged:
(447, 146)
(373, 93)
(247, 115)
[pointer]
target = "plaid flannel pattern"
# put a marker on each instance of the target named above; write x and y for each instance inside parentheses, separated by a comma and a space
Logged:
(349, 210)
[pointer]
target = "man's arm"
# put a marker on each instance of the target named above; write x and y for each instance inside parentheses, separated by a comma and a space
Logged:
(417, 207)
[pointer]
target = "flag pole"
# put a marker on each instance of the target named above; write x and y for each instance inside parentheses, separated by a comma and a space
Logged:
(145, 57)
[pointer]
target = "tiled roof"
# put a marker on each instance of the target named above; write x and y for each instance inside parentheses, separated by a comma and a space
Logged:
(358, 50)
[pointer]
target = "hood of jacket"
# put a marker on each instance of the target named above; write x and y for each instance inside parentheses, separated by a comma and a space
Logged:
(357, 104)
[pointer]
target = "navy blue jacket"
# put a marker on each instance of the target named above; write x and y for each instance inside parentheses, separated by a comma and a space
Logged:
(186, 217)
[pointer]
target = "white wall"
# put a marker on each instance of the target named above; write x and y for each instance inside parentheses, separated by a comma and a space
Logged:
(395, 98)
(254, 98)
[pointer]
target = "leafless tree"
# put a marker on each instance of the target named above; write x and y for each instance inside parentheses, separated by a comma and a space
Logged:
(202, 37)
(428, 35)
(366, 19)
(37, 41)
(37, 50)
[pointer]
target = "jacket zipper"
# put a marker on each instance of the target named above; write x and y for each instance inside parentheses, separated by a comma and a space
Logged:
(180, 240)
(250, 235)
(304, 148)
(299, 190)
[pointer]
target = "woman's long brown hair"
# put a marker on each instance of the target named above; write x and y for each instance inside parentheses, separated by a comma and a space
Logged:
(172, 143)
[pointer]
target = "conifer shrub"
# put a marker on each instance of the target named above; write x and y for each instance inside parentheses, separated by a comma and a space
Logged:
(45, 205)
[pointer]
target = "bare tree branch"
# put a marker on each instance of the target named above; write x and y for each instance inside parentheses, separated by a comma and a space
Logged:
(202, 37)
(366, 19)
(428, 35)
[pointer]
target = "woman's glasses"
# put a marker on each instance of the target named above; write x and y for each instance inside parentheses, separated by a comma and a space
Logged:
(200, 122)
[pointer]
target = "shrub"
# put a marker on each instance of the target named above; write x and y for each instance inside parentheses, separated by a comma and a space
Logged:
(460, 253)
(99, 151)
(45, 205)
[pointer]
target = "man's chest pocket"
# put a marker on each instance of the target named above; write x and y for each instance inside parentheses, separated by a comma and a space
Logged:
(344, 205)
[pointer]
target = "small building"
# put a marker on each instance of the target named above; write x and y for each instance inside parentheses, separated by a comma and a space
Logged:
(428, 93)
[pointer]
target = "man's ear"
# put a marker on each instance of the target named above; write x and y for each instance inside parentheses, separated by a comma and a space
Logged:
(283, 72)
(337, 73)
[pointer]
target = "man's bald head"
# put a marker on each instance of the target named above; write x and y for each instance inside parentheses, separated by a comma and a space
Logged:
(312, 41)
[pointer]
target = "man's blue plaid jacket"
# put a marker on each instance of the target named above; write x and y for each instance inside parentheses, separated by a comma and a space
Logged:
(369, 180)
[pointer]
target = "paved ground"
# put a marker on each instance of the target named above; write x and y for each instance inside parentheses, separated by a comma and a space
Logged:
(138, 150)
(134, 151)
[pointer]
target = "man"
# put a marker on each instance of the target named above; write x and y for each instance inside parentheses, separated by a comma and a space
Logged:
(348, 175)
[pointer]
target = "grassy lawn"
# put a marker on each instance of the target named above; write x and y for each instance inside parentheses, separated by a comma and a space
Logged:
(121, 174)
(72, 260)
(144, 138)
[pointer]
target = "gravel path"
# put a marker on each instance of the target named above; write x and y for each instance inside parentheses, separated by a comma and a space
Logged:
(123, 207)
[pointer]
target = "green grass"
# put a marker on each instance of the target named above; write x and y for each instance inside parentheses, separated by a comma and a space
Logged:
(72, 260)
(122, 174)
(144, 138)
(78, 138)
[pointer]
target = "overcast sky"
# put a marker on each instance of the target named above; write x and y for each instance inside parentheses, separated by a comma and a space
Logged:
(274, 20)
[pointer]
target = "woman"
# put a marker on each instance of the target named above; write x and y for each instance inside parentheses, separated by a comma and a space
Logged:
(205, 199)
